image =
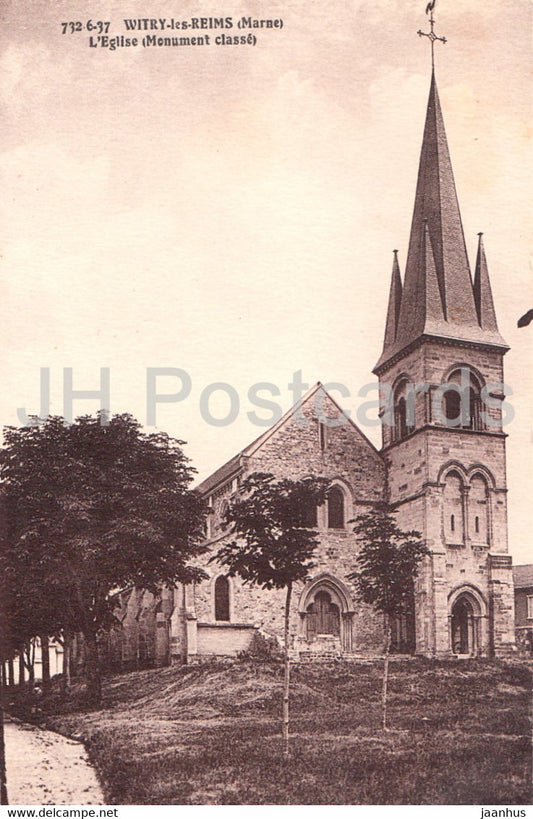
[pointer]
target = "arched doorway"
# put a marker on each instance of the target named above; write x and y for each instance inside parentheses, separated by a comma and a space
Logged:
(465, 625)
(323, 616)
(326, 615)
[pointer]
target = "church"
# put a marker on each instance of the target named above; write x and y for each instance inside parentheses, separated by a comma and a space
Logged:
(441, 467)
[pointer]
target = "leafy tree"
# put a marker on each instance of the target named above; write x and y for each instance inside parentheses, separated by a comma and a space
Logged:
(387, 564)
(91, 507)
(274, 543)
(36, 608)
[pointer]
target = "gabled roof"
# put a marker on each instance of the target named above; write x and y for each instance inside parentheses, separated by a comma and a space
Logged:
(234, 466)
(438, 297)
(222, 474)
(523, 576)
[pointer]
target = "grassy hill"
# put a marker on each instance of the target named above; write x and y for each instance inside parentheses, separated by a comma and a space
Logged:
(210, 734)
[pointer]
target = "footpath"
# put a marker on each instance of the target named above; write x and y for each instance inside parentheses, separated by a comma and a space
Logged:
(45, 768)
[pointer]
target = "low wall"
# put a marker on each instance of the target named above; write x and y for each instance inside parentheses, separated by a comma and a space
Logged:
(225, 639)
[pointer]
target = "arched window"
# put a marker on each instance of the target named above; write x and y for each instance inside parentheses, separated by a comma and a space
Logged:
(222, 599)
(452, 407)
(335, 508)
(473, 417)
(453, 509)
(401, 421)
(322, 435)
(461, 404)
(403, 412)
(478, 501)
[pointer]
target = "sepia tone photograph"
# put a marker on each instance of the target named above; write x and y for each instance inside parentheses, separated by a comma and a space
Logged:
(265, 473)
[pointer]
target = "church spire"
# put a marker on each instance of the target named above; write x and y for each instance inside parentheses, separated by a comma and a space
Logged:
(436, 224)
(482, 291)
(436, 205)
(395, 299)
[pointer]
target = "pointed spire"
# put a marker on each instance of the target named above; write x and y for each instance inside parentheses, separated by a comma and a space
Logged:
(395, 300)
(482, 291)
(429, 284)
(436, 226)
(436, 203)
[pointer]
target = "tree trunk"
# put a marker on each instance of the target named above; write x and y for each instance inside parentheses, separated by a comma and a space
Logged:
(386, 672)
(45, 659)
(67, 645)
(30, 664)
(31, 678)
(287, 675)
(74, 655)
(22, 667)
(10, 673)
(92, 669)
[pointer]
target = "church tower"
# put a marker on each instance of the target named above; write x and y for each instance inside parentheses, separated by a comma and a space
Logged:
(441, 382)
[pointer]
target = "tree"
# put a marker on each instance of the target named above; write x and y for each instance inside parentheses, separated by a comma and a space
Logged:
(274, 544)
(387, 565)
(6, 653)
(35, 610)
(91, 507)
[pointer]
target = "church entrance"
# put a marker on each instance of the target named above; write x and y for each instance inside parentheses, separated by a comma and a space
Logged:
(325, 618)
(463, 627)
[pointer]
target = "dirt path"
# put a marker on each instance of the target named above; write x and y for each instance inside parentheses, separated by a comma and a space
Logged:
(44, 768)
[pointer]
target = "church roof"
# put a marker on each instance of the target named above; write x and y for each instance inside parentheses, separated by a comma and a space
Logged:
(234, 466)
(438, 297)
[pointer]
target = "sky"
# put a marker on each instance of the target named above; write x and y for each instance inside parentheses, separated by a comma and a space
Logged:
(230, 211)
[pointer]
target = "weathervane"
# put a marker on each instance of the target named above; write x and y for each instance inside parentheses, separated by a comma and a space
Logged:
(431, 34)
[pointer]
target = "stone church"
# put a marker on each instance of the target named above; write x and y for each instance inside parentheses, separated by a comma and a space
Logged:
(441, 466)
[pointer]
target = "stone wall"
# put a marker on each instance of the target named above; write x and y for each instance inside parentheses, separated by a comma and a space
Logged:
(227, 639)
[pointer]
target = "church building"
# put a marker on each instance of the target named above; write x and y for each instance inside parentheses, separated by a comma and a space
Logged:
(441, 466)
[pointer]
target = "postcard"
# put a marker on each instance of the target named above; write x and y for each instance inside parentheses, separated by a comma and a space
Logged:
(294, 237)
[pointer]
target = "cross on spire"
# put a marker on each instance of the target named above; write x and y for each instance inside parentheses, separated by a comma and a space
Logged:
(431, 34)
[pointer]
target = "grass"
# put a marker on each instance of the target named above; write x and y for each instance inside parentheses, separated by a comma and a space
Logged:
(210, 734)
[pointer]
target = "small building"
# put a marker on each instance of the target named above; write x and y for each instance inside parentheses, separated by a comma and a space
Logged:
(523, 602)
